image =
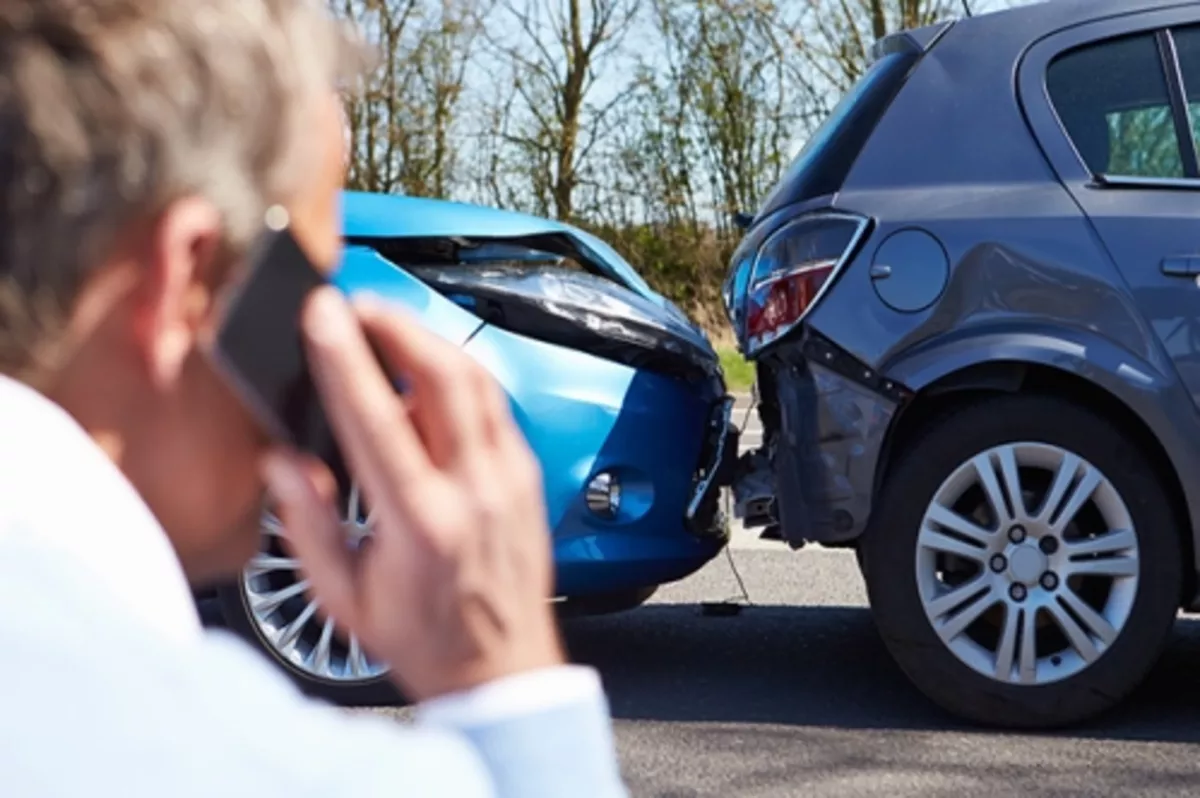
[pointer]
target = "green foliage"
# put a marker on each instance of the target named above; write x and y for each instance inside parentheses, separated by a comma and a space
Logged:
(685, 263)
(739, 373)
(1129, 134)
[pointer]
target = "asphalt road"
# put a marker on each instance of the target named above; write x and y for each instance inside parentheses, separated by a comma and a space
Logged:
(796, 696)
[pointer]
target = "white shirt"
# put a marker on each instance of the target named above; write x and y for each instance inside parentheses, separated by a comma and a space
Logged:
(109, 685)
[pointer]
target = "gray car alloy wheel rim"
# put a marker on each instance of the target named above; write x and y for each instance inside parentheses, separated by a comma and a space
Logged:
(1027, 563)
(287, 617)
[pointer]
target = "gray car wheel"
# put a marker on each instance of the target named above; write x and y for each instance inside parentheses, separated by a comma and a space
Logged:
(1023, 563)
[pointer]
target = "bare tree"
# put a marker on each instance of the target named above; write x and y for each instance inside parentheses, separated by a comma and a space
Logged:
(558, 50)
(444, 52)
(490, 151)
(370, 110)
(835, 38)
(720, 112)
(658, 147)
(402, 121)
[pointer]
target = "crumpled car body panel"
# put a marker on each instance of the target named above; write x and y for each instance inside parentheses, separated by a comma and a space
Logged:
(604, 375)
(368, 215)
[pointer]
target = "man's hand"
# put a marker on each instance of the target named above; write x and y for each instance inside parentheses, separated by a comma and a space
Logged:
(453, 589)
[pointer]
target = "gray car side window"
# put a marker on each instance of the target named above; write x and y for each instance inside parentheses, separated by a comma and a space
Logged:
(1114, 101)
(1187, 45)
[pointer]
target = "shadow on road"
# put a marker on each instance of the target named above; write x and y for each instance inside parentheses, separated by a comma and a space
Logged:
(822, 666)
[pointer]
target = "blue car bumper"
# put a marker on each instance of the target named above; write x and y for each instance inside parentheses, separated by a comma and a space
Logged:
(664, 440)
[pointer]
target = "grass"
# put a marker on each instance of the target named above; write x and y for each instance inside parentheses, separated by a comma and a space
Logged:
(739, 373)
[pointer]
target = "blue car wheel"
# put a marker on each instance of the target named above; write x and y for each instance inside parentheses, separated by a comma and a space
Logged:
(270, 607)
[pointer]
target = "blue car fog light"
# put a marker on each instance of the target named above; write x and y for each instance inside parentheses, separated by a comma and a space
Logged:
(604, 495)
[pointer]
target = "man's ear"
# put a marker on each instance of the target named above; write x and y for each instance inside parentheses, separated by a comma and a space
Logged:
(177, 289)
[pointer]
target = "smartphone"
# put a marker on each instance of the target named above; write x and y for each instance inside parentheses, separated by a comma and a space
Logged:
(259, 348)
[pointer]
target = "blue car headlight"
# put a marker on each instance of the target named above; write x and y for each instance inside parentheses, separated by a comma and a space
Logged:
(580, 311)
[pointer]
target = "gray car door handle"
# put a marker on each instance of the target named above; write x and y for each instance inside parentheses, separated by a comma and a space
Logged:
(1181, 266)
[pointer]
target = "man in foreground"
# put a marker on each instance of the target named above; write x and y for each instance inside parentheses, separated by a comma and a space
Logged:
(144, 141)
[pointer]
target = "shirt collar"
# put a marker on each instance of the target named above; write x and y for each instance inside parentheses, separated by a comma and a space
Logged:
(59, 490)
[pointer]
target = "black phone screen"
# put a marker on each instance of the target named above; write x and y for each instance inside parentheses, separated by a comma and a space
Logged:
(259, 346)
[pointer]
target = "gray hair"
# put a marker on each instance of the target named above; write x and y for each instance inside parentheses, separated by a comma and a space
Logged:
(112, 109)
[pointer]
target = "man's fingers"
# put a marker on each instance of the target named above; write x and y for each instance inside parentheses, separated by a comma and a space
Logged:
(319, 475)
(501, 426)
(457, 397)
(442, 377)
(314, 534)
(376, 436)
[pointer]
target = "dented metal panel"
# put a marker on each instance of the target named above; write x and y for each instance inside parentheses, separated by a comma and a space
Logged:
(580, 311)
(831, 429)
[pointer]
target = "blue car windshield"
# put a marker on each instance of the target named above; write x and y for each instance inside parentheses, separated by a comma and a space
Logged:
(823, 163)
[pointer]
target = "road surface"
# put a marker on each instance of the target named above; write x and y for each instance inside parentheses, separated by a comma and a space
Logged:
(796, 696)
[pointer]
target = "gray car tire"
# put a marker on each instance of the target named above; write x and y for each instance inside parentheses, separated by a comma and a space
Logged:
(890, 549)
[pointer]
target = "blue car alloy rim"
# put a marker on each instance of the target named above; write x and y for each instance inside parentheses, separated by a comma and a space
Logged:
(289, 619)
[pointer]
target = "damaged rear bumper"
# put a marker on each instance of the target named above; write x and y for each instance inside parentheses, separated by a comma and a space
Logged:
(825, 418)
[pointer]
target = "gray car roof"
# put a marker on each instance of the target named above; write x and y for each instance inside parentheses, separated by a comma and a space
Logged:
(1041, 18)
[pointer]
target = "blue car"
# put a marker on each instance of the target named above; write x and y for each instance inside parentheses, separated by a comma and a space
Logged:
(620, 396)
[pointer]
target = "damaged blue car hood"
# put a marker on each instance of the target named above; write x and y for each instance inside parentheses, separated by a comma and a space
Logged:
(367, 215)
(469, 254)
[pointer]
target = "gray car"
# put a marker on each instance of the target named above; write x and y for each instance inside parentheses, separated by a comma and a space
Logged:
(974, 305)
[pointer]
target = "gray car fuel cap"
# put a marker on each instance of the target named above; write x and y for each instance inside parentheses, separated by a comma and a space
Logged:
(910, 270)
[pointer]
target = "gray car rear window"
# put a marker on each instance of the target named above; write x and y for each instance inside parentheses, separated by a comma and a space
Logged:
(1187, 45)
(1114, 102)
